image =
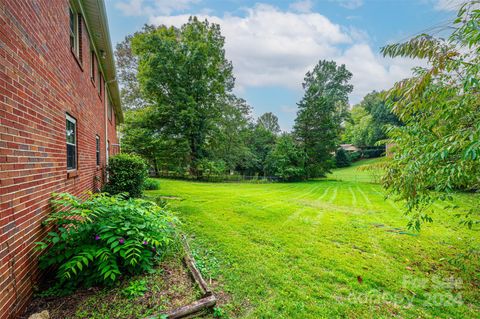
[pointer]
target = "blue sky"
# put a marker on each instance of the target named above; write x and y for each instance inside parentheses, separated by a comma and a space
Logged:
(273, 43)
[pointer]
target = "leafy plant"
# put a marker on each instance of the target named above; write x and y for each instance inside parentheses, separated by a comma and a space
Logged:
(219, 313)
(99, 239)
(286, 161)
(151, 184)
(135, 289)
(341, 158)
(126, 174)
(438, 149)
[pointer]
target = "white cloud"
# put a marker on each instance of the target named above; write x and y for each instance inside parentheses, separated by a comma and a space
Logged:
(270, 47)
(152, 7)
(304, 6)
(349, 4)
(448, 5)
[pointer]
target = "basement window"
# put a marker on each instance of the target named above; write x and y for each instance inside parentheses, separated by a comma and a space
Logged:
(71, 137)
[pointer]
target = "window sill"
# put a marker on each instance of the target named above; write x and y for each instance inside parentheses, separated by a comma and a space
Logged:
(93, 82)
(99, 168)
(72, 174)
(77, 59)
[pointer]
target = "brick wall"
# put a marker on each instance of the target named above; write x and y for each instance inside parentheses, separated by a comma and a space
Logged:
(40, 80)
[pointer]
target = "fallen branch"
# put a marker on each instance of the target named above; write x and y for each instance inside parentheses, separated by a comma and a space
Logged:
(197, 307)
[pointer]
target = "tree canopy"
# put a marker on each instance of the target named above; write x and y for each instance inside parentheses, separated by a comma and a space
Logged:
(185, 77)
(321, 112)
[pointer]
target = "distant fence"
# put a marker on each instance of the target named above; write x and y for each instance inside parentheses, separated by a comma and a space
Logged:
(221, 178)
(363, 178)
(373, 178)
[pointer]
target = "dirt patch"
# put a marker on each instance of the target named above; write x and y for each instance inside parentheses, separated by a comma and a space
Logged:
(169, 287)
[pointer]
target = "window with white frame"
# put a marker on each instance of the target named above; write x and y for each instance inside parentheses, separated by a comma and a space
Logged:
(71, 137)
(75, 34)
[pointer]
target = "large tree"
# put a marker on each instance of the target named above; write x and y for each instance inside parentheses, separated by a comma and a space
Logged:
(229, 143)
(438, 148)
(184, 75)
(368, 121)
(286, 160)
(321, 112)
(127, 69)
(270, 122)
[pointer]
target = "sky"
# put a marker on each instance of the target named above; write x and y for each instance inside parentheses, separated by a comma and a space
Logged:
(272, 44)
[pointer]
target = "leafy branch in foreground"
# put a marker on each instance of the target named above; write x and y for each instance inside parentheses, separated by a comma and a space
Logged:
(437, 152)
(99, 239)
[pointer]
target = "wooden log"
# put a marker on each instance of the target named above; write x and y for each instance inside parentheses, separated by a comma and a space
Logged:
(197, 276)
(190, 309)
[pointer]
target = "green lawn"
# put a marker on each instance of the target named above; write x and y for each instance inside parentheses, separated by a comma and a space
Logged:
(324, 249)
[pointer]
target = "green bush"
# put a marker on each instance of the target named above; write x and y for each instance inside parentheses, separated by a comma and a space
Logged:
(286, 160)
(99, 239)
(341, 158)
(151, 184)
(126, 174)
(355, 156)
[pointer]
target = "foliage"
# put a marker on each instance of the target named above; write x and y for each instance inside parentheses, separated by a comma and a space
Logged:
(368, 120)
(208, 167)
(286, 160)
(373, 152)
(355, 156)
(269, 121)
(321, 112)
(438, 149)
(359, 128)
(261, 141)
(219, 313)
(126, 174)
(229, 141)
(98, 239)
(151, 184)
(184, 75)
(136, 288)
(127, 69)
(342, 159)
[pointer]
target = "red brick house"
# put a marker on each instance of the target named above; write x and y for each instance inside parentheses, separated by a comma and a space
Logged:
(59, 107)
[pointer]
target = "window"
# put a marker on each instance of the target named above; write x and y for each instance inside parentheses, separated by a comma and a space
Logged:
(76, 34)
(71, 130)
(92, 66)
(73, 31)
(100, 80)
(98, 149)
(110, 110)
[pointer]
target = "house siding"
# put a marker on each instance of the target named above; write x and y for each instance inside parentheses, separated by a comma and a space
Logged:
(41, 81)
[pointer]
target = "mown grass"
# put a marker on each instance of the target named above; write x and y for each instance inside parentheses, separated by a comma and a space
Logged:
(326, 249)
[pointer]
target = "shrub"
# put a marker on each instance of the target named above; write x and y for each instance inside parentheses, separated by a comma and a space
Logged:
(286, 160)
(341, 158)
(126, 174)
(374, 152)
(355, 156)
(151, 184)
(94, 241)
